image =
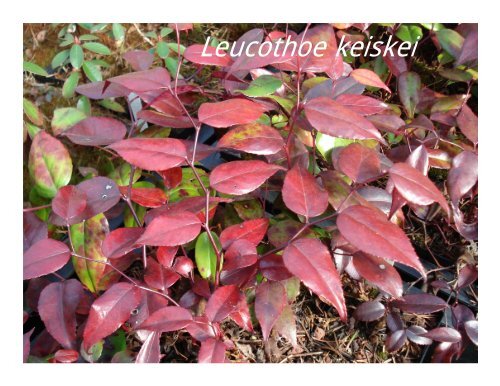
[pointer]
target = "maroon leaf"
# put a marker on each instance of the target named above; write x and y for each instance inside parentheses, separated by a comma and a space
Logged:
(222, 302)
(141, 81)
(230, 112)
(331, 118)
(254, 138)
(462, 176)
(212, 351)
(466, 276)
(102, 194)
(273, 268)
(33, 230)
(386, 122)
(211, 56)
(159, 277)
(369, 230)
(359, 163)
(26, 344)
(150, 349)
(467, 122)
(471, 328)
(286, 326)
(415, 334)
(96, 131)
(201, 329)
(241, 315)
(57, 307)
(310, 261)
(140, 60)
(109, 312)
(396, 340)
(120, 242)
(444, 334)
(302, 194)
(96, 90)
(69, 203)
(369, 311)
(160, 119)
(167, 319)
(415, 187)
(44, 257)
(240, 254)
(379, 272)
(171, 177)
(368, 78)
(66, 356)
(251, 230)
(394, 321)
(171, 230)
(151, 153)
(270, 299)
(166, 255)
(241, 177)
(361, 104)
(183, 266)
(420, 303)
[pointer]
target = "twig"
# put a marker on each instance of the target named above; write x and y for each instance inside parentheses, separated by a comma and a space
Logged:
(136, 25)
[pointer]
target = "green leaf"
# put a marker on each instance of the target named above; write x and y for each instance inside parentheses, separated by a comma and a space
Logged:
(34, 69)
(76, 56)
(87, 238)
(49, 164)
(456, 75)
(92, 72)
(121, 175)
(118, 32)
(162, 49)
(433, 26)
(98, 48)
(165, 31)
(249, 209)
(83, 105)
(409, 33)
(60, 58)
(451, 41)
(32, 129)
(205, 255)
(262, 86)
(70, 84)
(64, 118)
(87, 37)
(112, 105)
(326, 143)
(171, 64)
(32, 112)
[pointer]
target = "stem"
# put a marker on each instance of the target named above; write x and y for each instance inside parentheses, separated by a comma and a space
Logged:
(34, 209)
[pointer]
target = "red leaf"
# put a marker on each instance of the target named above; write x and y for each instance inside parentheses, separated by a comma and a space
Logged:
(240, 254)
(212, 351)
(151, 153)
(270, 299)
(171, 177)
(159, 277)
(139, 60)
(462, 176)
(109, 312)
(166, 255)
(466, 276)
(468, 124)
(379, 272)
(44, 257)
(310, 261)
(141, 81)
(160, 119)
(120, 242)
(241, 315)
(201, 329)
(368, 78)
(286, 326)
(69, 203)
(96, 131)
(183, 266)
(369, 230)
(96, 90)
(369, 311)
(57, 308)
(362, 104)
(167, 319)
(66, 356)
(150, 349)
(420, 303)
(102, 194)
(27, 345)
(194, 52)
(147, 197)
(415, 187)
(251, 230)
(222, 302)
(331, 118)
(171, 230)
(241, 177)
(302, 194)
(33, 230)
(359, 163)
(254, 138)
(444, 334)
(230, 112)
